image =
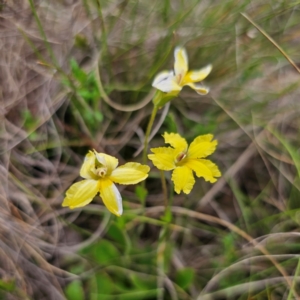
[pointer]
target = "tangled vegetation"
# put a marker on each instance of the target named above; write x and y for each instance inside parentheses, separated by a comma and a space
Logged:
(76, 75)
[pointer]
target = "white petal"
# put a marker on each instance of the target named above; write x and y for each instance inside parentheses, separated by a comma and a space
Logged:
(162, 76)
(166, 82)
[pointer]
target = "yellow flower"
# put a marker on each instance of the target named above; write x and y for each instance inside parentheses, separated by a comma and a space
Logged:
(184, 160)
(171, 82)
(100, 172)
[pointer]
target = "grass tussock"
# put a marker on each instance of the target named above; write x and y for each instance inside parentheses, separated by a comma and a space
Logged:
(75, 76)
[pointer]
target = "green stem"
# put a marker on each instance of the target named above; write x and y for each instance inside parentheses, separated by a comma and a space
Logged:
(148, 131)
(164, 188)
(291, 292)
(163, 240)
(43, 34)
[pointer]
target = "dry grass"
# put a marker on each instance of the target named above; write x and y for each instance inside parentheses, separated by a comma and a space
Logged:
(48, 123)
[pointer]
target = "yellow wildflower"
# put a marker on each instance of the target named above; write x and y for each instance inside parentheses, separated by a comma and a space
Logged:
(171, 82)
(184, 160)
(100, 172)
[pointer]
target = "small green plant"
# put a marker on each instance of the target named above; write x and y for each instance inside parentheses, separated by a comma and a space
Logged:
(87, 95)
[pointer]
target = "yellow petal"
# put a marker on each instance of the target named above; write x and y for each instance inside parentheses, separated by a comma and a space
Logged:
(107, 161)
(130, 173)
(181, 62)
(111, 196)
(183, 179)
(202, 146)
(203, 168)
(163, 158)
(200, 89)
(175, 140)
(87, 166)
(166, 82)
(197, 75)
(81, 193)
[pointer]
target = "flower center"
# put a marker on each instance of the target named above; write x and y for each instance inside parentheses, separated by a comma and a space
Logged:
(180, 157)
(101, 172)
(179, 78)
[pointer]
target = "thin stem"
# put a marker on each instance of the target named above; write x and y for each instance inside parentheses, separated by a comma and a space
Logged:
(272, 41)
(164, 187)
(290, 296)
(160, 263)
(148, 131)
(43, 34)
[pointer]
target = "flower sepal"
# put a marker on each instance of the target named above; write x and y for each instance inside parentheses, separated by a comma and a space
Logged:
(161, 98)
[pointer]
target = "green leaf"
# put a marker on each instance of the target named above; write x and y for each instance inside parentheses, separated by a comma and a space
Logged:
(104, 252)
(134, 295)
(141, 193)
(85, 94)
(115, 233)
(104, 283)
(184, 277)
(74, 291)
(88, 117)
(138, 295)
(30, 121)
(7, 285)
(168, 255)
(167, 217)
(122, 221)
(143, 282)
(98, 116)
(77, 72)
(77, 269)
(229, 248)
(81, 41)
(294, 199)
(171, 123)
